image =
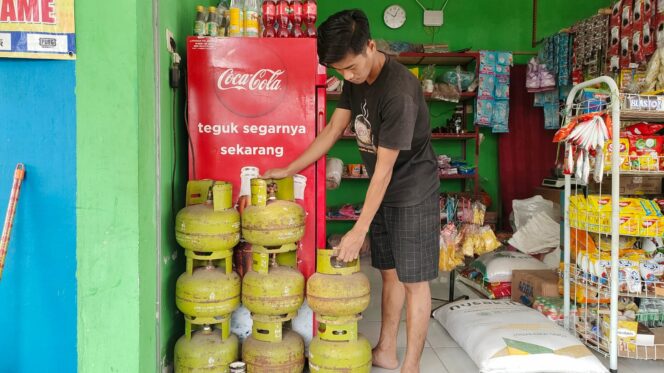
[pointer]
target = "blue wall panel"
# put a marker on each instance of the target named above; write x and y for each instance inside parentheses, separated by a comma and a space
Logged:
(38, 287)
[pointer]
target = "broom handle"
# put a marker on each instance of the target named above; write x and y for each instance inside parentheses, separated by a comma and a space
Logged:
(19, 173)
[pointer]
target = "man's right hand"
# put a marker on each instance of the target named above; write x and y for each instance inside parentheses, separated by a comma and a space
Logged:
(276, 173)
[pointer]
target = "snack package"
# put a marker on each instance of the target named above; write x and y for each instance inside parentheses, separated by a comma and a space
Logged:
(624, 155)
(625, 49)
(626, 18)
(626, 333)
(644, 152)
(637, 16)
(489, 242)
(643, 129)
(448, 259)
(659, 24)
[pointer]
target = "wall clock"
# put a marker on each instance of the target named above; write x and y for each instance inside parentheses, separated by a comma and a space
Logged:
(394, 16)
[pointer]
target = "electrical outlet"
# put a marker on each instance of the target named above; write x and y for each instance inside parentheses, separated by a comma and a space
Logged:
(433, 18)
(170, 41)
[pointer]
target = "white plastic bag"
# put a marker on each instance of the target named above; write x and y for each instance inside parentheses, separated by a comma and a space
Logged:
(497, 266)
(525, 209)
(508, 337)
(539, 235)
(333, 172)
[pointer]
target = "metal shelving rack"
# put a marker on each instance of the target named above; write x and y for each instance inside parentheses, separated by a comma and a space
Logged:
(594, 287)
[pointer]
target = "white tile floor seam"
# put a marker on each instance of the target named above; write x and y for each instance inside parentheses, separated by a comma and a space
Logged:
(441, 353)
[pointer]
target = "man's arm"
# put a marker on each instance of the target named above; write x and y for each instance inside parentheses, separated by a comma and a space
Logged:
(350, 244)
(321, 146)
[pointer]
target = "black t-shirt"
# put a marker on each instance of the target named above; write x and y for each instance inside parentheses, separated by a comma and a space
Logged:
(392, 113)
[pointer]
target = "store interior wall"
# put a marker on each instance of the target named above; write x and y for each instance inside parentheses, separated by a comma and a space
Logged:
(38, 286)
(116, 187)
(484, 25)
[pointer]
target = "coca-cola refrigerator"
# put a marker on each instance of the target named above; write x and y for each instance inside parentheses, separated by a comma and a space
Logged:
(258, 102)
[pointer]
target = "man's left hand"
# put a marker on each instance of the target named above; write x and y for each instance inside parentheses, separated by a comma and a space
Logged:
(350, 245)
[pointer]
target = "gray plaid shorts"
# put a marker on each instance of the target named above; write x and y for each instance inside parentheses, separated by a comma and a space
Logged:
(408, 239)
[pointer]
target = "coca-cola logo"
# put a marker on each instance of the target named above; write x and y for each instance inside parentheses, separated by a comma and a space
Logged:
(261, 80)
(250, 83)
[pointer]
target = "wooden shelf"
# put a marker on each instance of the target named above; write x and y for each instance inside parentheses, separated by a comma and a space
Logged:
(442, 59)
(437, 136)
(334, 96)
(340, 218)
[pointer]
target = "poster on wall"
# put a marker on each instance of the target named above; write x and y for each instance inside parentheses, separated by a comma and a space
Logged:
(41, 29)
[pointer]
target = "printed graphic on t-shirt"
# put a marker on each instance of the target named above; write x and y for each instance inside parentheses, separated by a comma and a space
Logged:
(363, 133)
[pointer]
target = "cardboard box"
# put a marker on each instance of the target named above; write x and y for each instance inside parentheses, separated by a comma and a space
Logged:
(630, 185)
(530, 284)
(552, 194)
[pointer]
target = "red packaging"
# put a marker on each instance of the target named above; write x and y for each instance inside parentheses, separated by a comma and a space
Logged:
(644, 152)
(626, 17)
(660, 28)
(637, 47)
(500, 289)
(614, 41)
(643, 129)
(648, 38)
(648, 10)
(637, 16)
(625, 50)
(616, 12)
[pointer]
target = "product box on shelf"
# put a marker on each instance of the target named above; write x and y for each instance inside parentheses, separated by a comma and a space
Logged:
(631, 185)
(530, 284)
(636, 102)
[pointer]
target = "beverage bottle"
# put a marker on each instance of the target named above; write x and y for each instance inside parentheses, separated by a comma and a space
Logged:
(212, 25)
(310, 16)
(269, 17)
(296, 18)
(283, 17)
(251, 18)
(199, 22)
(223, 17)
(236, 12)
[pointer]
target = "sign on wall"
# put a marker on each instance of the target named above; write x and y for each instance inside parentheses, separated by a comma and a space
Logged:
(37, 29)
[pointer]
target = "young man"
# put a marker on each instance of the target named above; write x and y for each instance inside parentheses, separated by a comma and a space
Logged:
(384, 104)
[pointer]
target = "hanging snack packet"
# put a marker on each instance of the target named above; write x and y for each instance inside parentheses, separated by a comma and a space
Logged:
(625, 49)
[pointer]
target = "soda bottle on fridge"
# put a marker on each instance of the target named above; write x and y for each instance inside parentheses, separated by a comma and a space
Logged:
(236, 12)
(223, 17)
(251, 18)
(269, 17)
(283, 18)
(199, 22)
(310, 16)
(296, 18)
(212, 25)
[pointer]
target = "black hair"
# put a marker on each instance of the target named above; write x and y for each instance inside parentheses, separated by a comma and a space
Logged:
(342, 33)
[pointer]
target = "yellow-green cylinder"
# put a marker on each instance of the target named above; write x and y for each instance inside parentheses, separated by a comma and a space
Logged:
(201, 228)
(279, 223)
(285, 189)
(338, 295)
(286, 356)
(280, 291)
(207, 292)
(334, 357)
(205, 352)
(259, 192)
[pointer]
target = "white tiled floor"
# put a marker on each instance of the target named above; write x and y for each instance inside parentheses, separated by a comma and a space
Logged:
(441, 352)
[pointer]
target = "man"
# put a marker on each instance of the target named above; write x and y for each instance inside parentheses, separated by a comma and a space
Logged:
(385, 106)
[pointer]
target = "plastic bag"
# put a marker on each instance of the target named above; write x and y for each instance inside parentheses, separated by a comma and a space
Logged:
(333, 172)
(497, 266)
(459, 78)
(449, 258)
(525, 209)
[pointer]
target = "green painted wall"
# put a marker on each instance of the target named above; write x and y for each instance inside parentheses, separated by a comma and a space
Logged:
(115, 201)
(480, 24)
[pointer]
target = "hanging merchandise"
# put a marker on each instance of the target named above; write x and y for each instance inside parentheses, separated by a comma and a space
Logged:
(493, 92)
(590, 45)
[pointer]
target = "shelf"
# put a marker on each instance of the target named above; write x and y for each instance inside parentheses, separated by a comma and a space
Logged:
(441, 59)
(335, 96)
(340, 219)
(442, 136)
(442, 177)
(642, 115)
(581, 279)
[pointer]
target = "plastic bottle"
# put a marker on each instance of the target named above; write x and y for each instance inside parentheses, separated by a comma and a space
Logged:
(212, 25)
(269, 17)
(223, 17)
(283, 18)
(296, 18)
(200, 20)
(310, 16)
(251, 18)
(236, 12)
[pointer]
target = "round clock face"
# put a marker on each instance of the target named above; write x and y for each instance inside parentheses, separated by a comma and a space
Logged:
(394, 16)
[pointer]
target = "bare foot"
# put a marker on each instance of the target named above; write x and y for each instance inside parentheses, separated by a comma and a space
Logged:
(410, 369)
(384, 359)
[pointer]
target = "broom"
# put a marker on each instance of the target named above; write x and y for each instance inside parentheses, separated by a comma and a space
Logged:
(19, 173)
